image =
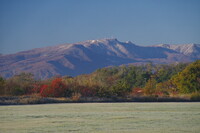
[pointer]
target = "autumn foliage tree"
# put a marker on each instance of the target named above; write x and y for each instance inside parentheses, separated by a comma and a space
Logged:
(111, 82)
(20, 84)
(55, 89)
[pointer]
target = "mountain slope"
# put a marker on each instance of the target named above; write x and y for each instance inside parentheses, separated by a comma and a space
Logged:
(192, 50)
(85, 57)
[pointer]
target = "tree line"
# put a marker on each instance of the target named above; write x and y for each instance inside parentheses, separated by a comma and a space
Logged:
(161, 80)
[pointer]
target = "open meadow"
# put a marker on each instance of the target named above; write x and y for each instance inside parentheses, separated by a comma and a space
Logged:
(101, 118)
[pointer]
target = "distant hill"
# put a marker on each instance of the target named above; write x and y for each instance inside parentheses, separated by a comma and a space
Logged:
(85, 57)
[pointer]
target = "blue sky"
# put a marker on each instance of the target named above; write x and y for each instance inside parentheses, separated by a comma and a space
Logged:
(27, 24)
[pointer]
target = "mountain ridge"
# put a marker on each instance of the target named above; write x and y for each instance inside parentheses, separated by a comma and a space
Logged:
(84, 57)
(187, 49)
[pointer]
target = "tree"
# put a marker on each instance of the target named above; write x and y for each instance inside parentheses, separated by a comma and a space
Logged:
(2, 86)
(20, 84)
(150, 87)
(141, 78)
(56, 88)
(165, 88)
(188, 81)
(45, 91)
(87, 91)
(165, 72)
(121, 88)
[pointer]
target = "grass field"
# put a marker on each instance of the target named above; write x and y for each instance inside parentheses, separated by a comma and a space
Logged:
(101, 118)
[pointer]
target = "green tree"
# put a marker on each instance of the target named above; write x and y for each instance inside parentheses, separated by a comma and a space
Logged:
(150, 87)
(121, 88)
(165, 72)
(188, 81)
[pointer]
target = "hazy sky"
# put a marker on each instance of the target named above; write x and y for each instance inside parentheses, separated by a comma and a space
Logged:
(27, 24)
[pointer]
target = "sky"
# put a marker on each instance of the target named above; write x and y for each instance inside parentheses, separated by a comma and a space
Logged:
(27, 24)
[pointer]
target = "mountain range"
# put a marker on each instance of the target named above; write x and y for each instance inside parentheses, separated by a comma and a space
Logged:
(84, 57)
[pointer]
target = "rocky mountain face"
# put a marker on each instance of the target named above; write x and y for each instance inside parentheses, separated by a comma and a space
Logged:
(85, 57)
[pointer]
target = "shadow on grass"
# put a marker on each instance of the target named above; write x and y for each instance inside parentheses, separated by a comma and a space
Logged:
(23, 100)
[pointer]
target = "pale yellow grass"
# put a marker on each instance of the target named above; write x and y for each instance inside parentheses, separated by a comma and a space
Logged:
(101, 118)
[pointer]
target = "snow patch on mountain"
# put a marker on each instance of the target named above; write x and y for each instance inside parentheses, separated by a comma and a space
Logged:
(186, 49)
